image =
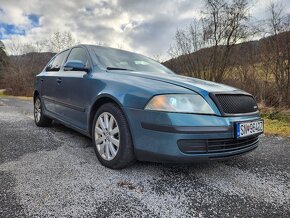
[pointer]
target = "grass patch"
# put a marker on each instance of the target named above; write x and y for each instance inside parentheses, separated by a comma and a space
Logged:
(276, 122)
(2, 94)
(21, 97)
(276, 127)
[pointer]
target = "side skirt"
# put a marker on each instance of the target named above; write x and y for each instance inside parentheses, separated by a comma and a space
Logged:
(67, 124)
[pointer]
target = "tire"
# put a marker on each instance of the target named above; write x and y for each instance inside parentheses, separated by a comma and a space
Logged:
(39, 118)
(110, 128)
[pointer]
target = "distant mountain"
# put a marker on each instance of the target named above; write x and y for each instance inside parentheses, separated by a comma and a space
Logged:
(18, 78)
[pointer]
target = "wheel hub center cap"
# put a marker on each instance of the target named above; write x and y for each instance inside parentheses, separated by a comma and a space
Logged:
(107, 135)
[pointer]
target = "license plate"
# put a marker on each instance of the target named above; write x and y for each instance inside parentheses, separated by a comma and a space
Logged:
(244, 129)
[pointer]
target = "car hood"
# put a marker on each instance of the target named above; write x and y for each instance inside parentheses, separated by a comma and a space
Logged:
(193, 84)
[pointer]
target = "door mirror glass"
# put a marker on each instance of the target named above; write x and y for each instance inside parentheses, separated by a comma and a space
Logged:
(75, 65)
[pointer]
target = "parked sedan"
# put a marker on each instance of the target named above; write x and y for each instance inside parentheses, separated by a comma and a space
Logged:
(134, 108)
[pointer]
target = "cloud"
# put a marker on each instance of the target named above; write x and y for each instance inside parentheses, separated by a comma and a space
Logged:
(154, 35)
(7, 29)
(146, 27)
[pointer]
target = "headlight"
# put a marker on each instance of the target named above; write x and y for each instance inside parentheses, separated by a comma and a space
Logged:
(182, 103)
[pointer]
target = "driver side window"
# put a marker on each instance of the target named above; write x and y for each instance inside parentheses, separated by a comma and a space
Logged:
(57, 62)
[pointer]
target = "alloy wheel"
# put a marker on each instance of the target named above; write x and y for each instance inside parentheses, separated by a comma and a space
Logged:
(37, 110)
(107, 136)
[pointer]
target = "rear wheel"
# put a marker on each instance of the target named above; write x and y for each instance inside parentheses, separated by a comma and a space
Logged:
(39, 118)
(111, 137)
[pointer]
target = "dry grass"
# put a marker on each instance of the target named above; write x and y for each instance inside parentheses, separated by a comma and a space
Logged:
(277, 122)
(2, 94)
(276, 127)
(21, 98)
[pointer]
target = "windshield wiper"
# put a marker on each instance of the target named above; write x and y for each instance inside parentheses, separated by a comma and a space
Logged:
(118, 68)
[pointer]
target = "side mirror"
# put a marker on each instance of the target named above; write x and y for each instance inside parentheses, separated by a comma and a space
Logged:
(75, 65)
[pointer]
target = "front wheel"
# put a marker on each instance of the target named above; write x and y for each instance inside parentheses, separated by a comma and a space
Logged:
(39, 118)
(111, 137)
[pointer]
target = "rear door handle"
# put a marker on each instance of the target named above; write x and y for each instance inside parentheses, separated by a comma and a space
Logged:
(58, 80)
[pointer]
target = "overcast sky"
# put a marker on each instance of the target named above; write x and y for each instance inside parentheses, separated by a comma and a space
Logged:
(144, 26)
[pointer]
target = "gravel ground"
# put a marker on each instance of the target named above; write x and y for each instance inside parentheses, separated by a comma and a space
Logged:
(53, 172)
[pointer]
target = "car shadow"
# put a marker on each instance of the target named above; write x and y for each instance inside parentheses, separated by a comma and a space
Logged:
(173, 167)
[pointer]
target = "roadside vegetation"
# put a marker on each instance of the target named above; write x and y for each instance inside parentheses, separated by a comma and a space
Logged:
(4, 95)
(276, 122)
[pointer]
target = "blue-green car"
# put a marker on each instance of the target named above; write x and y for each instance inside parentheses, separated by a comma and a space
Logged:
(134, 108)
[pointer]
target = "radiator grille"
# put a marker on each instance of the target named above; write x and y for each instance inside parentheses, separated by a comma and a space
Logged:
(237, 103)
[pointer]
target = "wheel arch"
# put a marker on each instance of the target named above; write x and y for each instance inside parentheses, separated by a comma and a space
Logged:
(101, 100)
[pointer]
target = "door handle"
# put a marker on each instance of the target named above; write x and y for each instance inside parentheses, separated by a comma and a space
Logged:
(58, 80)
(41, 80)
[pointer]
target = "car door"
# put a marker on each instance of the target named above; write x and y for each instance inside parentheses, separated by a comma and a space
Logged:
(74, 92)
(50, 82)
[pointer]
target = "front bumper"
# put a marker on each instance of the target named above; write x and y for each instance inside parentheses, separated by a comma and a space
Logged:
(184, 138)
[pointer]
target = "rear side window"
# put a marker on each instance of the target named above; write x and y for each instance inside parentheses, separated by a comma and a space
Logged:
(56, 63)
(79, 54)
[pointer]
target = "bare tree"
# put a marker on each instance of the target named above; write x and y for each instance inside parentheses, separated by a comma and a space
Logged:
(279, 51)
(16, 47)
(188, 41)
(224, 23)
(60, 41)
(158, 57)
(57, 42)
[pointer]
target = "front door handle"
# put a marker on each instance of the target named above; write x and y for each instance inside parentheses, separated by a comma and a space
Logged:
(58, 80)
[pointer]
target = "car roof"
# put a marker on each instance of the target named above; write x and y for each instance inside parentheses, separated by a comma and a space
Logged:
(99, 46)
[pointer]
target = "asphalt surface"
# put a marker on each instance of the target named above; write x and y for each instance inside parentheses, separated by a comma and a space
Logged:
(53, 172)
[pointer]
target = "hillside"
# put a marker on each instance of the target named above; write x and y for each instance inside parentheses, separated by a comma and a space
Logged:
(21, 72)
(242, 54)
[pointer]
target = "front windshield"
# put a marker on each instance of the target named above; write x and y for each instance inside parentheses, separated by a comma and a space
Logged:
(115, 59)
